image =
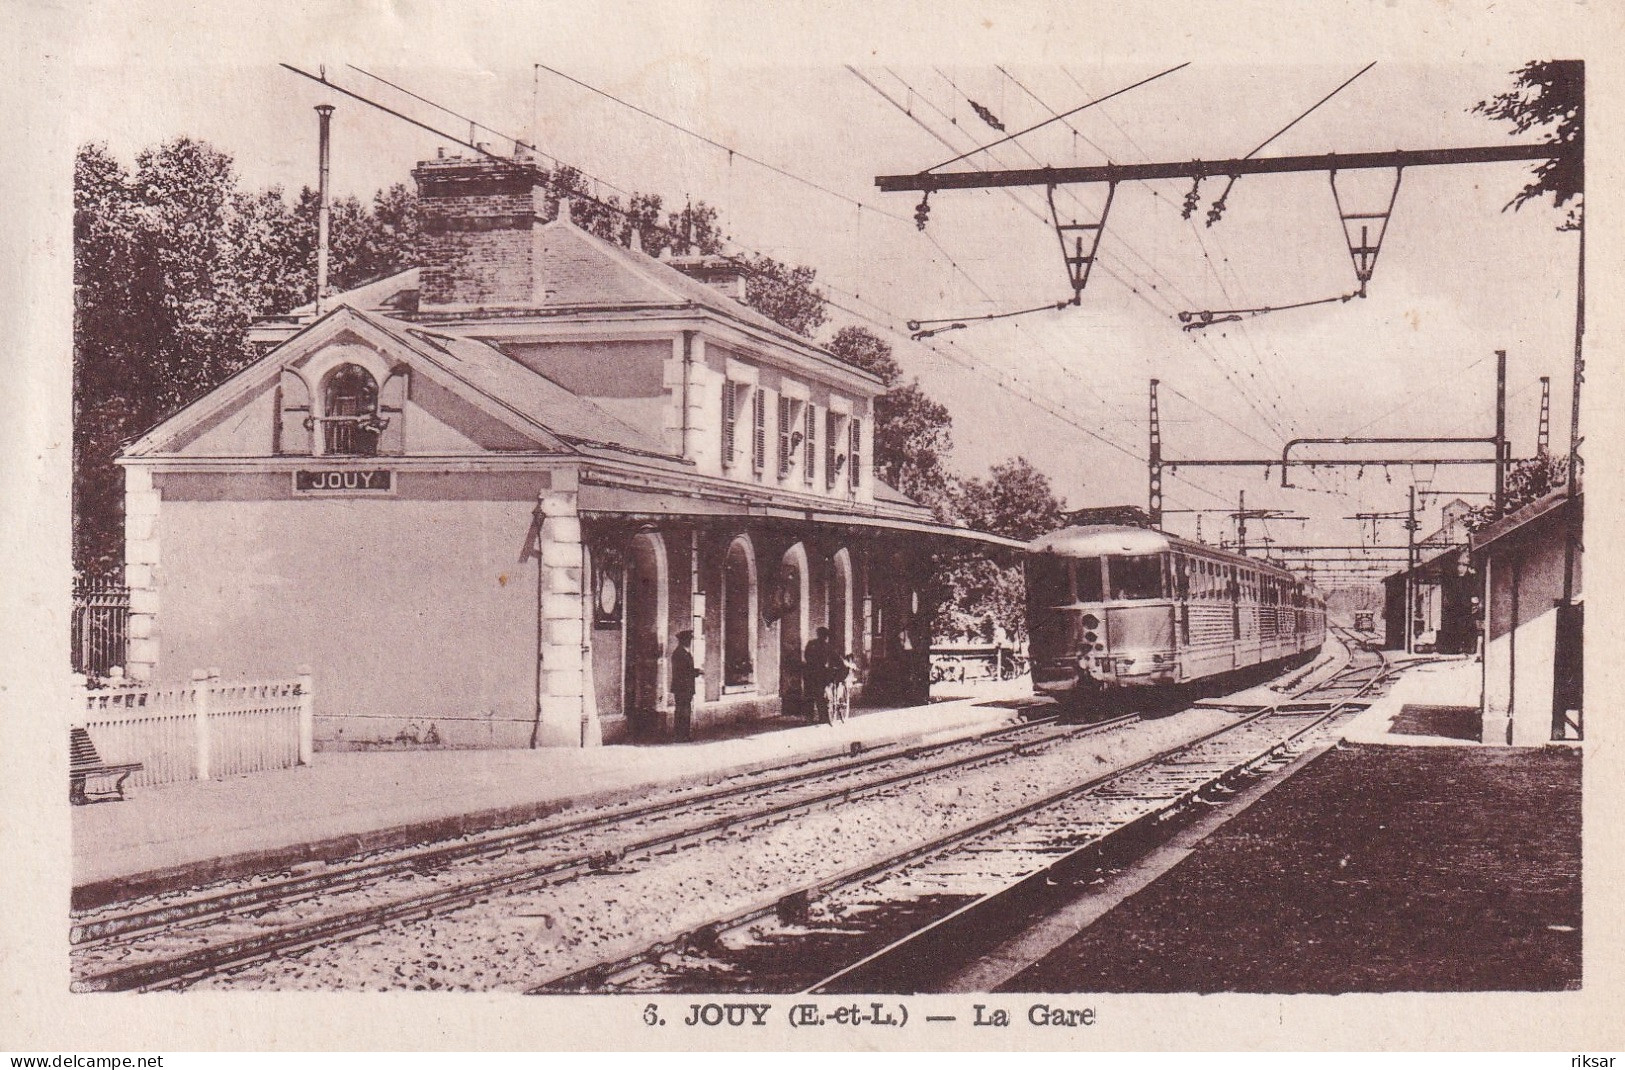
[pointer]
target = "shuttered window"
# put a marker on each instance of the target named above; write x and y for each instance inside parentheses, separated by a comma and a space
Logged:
(811, 445)
(832, 430)
(785, 416)
(730, 420)
(758, 458)
(854, 454)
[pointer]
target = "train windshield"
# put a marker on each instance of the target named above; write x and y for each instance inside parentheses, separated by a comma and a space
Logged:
(1086, 575)
(1049, 580)
(1134, 578)
(1063, 581)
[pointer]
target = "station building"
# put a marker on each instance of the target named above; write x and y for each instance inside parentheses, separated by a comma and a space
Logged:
(1534, 621)
(1443, 591)
(480, 499)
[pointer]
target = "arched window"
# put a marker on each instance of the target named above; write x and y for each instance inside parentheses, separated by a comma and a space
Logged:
(739, 614)
(350, 421)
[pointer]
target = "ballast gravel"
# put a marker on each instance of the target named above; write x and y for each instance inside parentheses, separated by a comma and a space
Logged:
(519, 941)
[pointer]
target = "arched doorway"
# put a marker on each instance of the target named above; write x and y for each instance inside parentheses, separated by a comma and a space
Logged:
(840, 602)
(790, 606)
(739, 614)
(645, 630)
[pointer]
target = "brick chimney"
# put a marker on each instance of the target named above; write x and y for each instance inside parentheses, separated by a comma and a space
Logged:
(717, 272)
(480, 218)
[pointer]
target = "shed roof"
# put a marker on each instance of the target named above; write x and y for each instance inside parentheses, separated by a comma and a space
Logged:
(1521, 518)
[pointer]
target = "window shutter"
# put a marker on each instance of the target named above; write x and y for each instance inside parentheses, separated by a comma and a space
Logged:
(292, 432)
(759, 450)
(830, 431)
(812, 442)
(853, 455)
(730, 420)
(784, 436)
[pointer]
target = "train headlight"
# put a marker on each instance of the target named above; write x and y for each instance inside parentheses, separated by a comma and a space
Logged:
(1091, 621)
(1089, 637)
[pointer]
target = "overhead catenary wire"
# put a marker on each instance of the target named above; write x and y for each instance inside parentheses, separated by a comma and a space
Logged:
(1218, 205)
(1212, 267)
(732, 152)
(1139, 291)
(1196, 232)
(1063, 115)
(1002, 381)
(1211, 317)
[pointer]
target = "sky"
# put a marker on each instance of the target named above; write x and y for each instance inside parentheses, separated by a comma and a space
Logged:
(836, 104)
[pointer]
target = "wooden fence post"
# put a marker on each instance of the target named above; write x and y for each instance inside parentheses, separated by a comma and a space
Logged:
(201, 686)
(307, 715)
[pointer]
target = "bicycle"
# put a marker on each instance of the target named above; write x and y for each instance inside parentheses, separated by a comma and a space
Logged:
(837, 702)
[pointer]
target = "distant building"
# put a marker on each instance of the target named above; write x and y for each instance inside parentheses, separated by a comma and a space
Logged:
(1533, 635)
(1444, 591)
(487, 494)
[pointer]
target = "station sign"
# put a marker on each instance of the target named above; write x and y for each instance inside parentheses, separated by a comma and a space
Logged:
(343, 481)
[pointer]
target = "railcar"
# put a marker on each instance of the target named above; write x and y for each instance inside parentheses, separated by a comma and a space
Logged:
(1113, 608)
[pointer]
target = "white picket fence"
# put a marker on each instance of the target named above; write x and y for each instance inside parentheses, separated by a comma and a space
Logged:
(205, 729)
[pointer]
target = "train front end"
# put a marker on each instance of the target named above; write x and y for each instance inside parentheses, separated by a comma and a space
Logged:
(1099, 614)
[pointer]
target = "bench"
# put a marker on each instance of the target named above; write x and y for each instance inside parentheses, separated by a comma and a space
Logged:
(84, 764)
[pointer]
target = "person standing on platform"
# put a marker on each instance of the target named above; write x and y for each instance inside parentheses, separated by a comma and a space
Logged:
(683, 673)
(815, 675)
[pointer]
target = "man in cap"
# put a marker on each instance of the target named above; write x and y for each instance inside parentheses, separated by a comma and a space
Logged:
(683, 673)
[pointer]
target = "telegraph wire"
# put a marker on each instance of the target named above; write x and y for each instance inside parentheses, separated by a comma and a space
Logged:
(1178, 290)
(1141, 279)
(1002, 380)
(731, 151)
(1196, 232)
(1046, 122)
(1217, 208)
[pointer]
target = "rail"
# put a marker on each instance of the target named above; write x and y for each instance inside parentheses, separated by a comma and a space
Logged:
(708, 806)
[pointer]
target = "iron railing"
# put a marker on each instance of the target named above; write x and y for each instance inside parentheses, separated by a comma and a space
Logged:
(100, 628)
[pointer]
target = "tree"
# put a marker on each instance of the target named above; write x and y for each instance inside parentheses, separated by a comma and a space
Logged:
(1016, 501)
(1527, 480)
(172, 263)
(1549, 96)
(913, 437)
(784, 293)
(864, 349)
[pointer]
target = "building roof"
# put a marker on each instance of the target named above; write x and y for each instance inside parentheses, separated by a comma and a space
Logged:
(395, 293)
(579, 272)
(526, 399)
(1441, 564)
(1520, 518)
(570, 416)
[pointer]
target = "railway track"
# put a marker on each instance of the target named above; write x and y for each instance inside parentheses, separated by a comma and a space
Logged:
(168, 941)
(177, 942)
(895, 923)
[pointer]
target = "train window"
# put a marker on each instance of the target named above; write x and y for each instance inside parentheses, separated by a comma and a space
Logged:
(1049, 580)
(1086, 574)
(1134, 578)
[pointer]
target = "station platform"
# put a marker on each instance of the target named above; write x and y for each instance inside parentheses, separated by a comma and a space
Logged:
(345, 802)
(1406, 857)
(1375, 868)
